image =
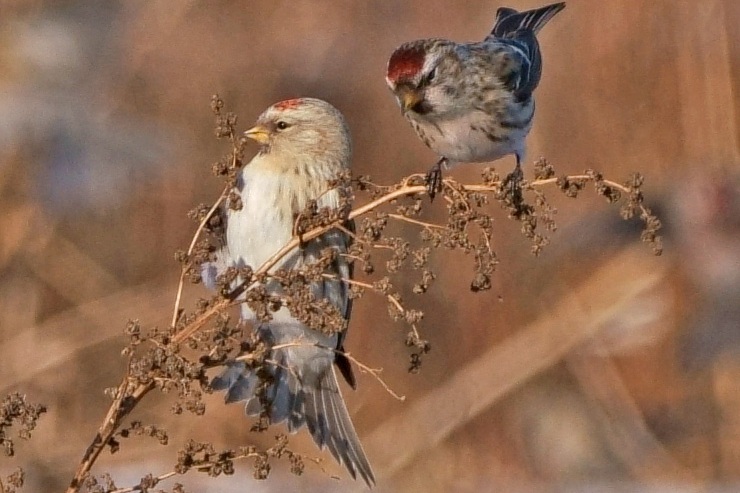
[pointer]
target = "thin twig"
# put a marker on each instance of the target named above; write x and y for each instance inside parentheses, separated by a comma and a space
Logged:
(318, 461)
(389, 297)
(401, 217)
(354, 236)
(375, 372)
(198, 231)
(153, 482)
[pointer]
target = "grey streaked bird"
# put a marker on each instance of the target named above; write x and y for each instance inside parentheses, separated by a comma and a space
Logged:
(472, 102)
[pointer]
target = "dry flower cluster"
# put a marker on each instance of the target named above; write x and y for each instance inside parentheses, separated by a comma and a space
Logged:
(16, 411)
(176, 359)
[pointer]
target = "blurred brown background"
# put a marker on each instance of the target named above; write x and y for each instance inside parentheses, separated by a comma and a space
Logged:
(595, 367)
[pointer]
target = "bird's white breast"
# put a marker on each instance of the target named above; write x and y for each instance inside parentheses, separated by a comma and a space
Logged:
(466, 138)
(264, 224)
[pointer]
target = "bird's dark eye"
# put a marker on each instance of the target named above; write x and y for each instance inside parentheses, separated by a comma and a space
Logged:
(430, 76)
(281, 125)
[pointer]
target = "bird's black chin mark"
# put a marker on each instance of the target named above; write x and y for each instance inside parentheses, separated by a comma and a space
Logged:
(422, 107)
(264, 150)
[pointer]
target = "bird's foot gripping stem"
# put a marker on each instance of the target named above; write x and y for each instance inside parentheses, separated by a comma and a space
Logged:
(434, 178)
(513, 186)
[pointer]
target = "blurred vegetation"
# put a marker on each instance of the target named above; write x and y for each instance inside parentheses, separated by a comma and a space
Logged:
(594, 363)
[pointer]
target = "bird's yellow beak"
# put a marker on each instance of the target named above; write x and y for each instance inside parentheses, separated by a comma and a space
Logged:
(408, 99)
(258, 133)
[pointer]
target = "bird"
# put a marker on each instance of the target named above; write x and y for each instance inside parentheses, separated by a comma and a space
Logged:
(472, 102)
(304, 147)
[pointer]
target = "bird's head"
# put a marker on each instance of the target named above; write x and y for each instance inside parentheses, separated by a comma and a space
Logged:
(420, 74)
(301, 129)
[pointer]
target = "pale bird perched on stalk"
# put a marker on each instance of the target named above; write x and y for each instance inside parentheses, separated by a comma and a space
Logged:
(304, 148)
(472, 102)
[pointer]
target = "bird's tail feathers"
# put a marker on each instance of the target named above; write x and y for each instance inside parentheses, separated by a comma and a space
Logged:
(509, 21)
(313, 401)
(330, 425)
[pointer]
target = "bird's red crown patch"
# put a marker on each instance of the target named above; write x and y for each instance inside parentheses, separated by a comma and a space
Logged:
(405, 63)
(289, 104)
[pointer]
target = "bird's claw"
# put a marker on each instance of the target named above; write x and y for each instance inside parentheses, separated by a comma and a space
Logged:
(515, 179)
(434, 179)
(513, 182)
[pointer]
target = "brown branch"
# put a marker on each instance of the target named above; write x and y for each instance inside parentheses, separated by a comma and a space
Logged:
(127, 399)
(316, 232)
(112, 421)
